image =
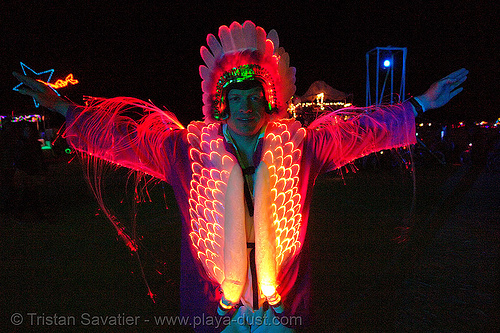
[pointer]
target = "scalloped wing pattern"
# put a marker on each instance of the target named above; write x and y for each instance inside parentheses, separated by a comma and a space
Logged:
(211, 165)
(282, 154)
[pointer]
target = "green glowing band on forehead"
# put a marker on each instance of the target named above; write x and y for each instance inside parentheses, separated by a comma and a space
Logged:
(237, 74)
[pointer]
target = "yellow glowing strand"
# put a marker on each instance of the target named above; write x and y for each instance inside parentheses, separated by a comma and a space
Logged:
(319, 99)
(61, 83)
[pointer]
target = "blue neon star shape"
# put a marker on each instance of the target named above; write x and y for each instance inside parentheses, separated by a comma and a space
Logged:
(49, 72)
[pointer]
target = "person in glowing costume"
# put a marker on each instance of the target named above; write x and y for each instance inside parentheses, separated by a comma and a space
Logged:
(243, 178)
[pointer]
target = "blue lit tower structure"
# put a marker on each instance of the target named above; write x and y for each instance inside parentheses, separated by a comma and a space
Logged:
(385, 72)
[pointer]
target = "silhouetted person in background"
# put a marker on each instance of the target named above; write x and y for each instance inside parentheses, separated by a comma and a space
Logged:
(7, 170)
(30, 165)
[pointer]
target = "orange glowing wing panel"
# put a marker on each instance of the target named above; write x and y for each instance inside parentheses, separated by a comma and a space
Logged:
(282, 154)
(211, 165)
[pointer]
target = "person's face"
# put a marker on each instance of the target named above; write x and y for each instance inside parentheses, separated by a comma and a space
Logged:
(247, 111)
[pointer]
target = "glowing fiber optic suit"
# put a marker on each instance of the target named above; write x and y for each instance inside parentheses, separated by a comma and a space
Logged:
(198, 162)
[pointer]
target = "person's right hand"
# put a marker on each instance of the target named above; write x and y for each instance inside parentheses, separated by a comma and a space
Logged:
(43, 94)
(443, 90)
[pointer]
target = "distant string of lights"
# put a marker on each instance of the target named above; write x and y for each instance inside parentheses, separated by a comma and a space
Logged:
(318, 103)
(32, 118)
(322, 105)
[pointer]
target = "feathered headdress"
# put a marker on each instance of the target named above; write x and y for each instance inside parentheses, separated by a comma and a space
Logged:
(245, 53)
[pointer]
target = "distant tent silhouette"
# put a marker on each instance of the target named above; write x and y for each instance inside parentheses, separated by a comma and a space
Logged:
(319, 87)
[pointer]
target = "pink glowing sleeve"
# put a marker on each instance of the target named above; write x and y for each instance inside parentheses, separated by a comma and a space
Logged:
(342, 136)
(127, 132)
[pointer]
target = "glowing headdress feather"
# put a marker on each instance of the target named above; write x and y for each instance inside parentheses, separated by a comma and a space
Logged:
(244, 52)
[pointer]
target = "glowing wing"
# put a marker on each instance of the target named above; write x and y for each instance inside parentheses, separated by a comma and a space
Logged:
(282, 155)
(211, 166)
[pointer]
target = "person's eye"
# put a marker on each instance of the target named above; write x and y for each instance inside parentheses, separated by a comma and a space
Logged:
(234, 98)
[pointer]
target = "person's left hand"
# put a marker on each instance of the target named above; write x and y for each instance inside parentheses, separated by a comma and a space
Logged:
(42, 93)
(442, 91)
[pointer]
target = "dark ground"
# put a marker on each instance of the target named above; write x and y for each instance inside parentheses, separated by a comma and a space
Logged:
(443, 279)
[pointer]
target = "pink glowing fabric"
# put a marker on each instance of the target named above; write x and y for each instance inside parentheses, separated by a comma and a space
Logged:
(125, 131)
(198, 161)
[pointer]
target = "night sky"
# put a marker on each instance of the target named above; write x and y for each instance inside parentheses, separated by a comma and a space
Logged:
(151, 51)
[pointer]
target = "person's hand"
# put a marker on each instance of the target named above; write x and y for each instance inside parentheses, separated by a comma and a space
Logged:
(42, 93)
(443, 90)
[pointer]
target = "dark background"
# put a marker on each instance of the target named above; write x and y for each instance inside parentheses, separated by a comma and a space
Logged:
(151, 51)
(71, 262)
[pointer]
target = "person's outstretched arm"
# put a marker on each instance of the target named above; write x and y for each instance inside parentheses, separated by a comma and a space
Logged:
(42, 93)
(442, 91)
(336, 142)
(124, 131)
